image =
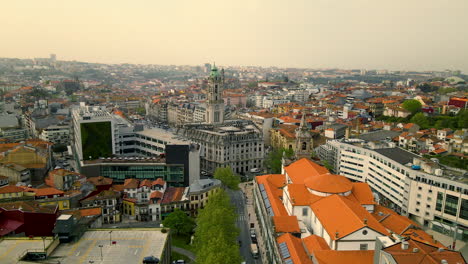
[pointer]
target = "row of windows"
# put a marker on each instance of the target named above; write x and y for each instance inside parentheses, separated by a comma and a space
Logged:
(451, 205)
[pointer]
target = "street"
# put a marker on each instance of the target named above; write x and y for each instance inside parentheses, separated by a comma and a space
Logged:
(238, 199)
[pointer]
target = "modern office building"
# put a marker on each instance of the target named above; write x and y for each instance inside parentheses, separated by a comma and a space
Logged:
(430, 193)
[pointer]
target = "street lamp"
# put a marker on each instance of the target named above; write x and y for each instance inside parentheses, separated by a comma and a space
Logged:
(110, 238)
(100, 246)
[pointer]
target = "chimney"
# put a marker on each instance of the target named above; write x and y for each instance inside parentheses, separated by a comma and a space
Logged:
(415, 250)
(443, 261)
(404, 245)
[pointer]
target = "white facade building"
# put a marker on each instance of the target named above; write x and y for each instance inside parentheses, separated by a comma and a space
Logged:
(431, 194)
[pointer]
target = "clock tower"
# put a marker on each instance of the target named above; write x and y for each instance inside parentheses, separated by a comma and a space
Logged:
(215, 103)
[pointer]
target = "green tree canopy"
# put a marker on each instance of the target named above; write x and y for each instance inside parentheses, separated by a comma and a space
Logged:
(463, 118)
(421, 120)
(412, 105)
(227, 177)
(216, 232)
(273, 160)
(180, 222)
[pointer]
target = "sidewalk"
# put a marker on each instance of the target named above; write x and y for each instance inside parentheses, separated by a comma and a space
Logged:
(460, 245)
(252, 218)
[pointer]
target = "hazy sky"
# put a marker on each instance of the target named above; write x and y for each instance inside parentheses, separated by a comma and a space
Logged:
(371, 34)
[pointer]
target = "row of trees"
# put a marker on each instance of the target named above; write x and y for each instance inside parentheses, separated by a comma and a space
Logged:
(216, 232)
(227, 177)
(453, 122)
(273, 160)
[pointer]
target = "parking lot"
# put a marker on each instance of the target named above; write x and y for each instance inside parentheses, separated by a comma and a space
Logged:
(131, 246)
(12, 249)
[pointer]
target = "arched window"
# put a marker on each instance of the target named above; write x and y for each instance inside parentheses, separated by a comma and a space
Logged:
(304, 145)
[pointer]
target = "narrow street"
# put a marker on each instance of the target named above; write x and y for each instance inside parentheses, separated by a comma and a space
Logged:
(238, 199)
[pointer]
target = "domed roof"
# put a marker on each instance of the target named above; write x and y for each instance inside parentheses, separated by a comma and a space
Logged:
(329, 183)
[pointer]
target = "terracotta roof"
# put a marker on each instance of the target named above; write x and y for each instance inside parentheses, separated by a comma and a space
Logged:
(146, 183)
(158, 181)
(286, 224)
(10, 189)
(274, 192)
(29, 206)
(91, 211)
(131, 183)
(100, 180)
(328, 183)
(295, 248)
(350, 218)
(314, 242)
(173, 194)
(47, 191)
(345, 256)
(304, 168)
(156, 195)
(118, 187)
(426, 254)
(299, 195)
(363, 193)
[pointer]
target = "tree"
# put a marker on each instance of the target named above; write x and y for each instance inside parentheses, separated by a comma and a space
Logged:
(412, 105)
(462, 119)
(216, 232)
(180, 222)
(421, 120)
(227, 177)
(273, 160)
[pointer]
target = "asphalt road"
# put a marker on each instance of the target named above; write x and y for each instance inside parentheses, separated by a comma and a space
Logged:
(242, 222)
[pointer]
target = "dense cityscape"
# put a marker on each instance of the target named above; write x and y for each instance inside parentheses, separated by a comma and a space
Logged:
(130, 163)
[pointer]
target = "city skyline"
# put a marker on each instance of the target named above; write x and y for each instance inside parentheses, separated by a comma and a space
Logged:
(357, 34)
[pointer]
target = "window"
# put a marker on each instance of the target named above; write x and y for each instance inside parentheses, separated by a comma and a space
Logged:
(363, 247)
(464, 209)
(451, 205)
(364, 232)
(440, 200)
(304, 211)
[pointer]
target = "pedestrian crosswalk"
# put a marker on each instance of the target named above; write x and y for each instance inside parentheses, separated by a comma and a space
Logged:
(242, 217)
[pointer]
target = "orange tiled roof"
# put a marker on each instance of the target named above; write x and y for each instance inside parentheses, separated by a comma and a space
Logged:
(286, 224)
(427, 254)
(345, 256)
(158, 181)
(328, 183)
(314, 242)
(299, 195)
(363, 193)
(131, 183)
(90, 211)
(304, 168)
(47, 191)
(10, 189)
(273, 192)
(295, 247)
(350, 218)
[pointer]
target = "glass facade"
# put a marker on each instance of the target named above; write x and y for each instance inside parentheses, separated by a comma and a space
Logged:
(173, 174)
(451, 205)
(464, 210)
(440, 201)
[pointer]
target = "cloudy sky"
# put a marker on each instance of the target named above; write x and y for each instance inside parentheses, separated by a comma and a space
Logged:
(367, 34)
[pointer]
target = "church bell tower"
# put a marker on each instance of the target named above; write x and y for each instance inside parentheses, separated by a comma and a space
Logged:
(304, 141)
(215, 103)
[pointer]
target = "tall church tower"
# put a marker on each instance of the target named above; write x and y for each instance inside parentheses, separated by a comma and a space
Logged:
(304, 141)
(215, 104)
